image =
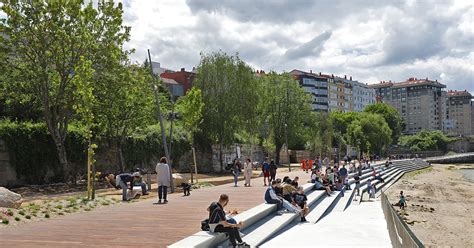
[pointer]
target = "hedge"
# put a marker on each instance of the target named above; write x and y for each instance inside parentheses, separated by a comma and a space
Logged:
(33, 153)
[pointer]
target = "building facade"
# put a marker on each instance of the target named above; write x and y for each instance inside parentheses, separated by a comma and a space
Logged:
(183, 77)
(362, 95)
(316, 85)
(340, 95)
(420, 102)
(459, 109)
(331, 93)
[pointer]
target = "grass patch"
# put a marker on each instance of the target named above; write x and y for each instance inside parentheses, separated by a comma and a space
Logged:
(6, 222)
(418, 172)
(59, 207)
(87, 209)
(202, 185)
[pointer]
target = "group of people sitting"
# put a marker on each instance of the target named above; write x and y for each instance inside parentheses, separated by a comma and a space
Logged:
(288, 196)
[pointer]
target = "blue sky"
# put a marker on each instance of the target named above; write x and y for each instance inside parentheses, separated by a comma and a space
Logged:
(368, 40)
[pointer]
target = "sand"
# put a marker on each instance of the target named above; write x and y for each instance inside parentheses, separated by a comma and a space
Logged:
(440, 205)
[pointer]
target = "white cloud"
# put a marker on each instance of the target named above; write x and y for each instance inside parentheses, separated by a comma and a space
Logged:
(370, 40)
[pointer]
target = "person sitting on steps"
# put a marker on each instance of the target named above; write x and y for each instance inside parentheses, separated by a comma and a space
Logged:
(219, 223)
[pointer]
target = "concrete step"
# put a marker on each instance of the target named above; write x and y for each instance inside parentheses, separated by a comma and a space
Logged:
(265, 230)
(389, 184)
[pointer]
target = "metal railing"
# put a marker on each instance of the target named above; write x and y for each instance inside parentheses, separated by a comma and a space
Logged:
(400, 233)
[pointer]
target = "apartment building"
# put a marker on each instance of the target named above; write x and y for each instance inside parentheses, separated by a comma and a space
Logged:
(340, 95)
(420, 102)
(331, 93)
(317, 85)
(459, 109)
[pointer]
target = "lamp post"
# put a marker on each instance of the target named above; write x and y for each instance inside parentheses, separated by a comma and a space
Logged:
(287, 152)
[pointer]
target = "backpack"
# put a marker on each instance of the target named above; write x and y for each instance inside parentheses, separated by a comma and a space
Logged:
(205, 225)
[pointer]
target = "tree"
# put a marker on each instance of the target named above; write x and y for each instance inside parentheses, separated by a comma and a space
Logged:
(126, 108)
(189, 108)
(369, 133)
(426, 141)
(341, 122)
(321, 134)
(285, 108)
(229, 91)
(42, 45)
(391, 116)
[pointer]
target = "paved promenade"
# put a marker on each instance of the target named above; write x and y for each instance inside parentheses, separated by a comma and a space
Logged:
(140, 224)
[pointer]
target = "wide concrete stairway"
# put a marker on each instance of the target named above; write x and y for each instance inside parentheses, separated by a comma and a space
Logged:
(263, 223)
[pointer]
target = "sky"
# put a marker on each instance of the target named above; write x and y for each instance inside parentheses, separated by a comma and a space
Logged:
(368, 40)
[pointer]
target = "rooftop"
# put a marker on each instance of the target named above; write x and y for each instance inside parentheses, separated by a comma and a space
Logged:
(407, 83)
(459, 93)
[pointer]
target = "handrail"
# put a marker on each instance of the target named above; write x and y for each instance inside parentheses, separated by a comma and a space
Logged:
(400, 234)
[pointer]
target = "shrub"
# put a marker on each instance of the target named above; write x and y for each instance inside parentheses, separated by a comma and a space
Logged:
(28, 217)
(59, 207)
(21, 212)
(10, 212)
(41, 155)
(5, 221)
(46, 215)
(17, 218)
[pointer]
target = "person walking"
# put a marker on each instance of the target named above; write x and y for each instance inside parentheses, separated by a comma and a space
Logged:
(163, 178)
(247, 172)
(266, 172)
(236, 169)
(273, 170)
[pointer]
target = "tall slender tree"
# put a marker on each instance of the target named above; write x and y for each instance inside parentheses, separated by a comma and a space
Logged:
(229, 90)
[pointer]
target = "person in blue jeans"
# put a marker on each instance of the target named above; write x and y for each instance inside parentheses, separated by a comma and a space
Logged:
(236, 169)
(121, 182)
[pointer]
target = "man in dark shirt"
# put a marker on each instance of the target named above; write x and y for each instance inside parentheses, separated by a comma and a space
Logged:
(219, 223)
(120, 181)
(300, 199)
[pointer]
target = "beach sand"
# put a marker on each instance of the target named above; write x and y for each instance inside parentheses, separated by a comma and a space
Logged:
(440, 205)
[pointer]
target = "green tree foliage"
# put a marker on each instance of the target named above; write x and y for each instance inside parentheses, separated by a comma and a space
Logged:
(43, 44)
(189, 108)
(229, 92)
(426, 141)
(391, 116)
(285, 109)
(126, 108)
(369, 133)
(321, 134)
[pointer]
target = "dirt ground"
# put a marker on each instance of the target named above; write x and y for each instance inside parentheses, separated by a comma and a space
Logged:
(440, 205)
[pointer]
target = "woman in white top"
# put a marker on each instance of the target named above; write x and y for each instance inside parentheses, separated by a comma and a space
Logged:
(163, 178)
(247, 172)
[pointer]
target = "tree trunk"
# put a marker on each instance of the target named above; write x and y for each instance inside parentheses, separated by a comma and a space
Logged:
(120, 157)
(220, 156)
(61, 149)
(277, 153)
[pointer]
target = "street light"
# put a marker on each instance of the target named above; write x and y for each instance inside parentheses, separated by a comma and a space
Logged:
(287, 152)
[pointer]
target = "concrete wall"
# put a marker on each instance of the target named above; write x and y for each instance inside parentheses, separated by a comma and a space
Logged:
(8, 175)
(461, 146)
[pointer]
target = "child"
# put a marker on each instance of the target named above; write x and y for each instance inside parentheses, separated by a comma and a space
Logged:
(299, 200)
(402, 202)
